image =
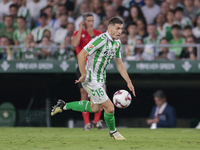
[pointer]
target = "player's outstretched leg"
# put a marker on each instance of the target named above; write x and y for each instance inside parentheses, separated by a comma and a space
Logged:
(110, 120)
(81, 106)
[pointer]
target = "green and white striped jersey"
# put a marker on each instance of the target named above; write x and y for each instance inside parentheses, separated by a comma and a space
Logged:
(184, 22)
(38, 32)
(101, 50)
(20, 37)
(24, 12)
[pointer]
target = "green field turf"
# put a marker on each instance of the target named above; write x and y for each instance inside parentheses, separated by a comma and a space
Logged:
(77, 139)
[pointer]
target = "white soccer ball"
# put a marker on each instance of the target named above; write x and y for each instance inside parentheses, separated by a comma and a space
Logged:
(122, 99)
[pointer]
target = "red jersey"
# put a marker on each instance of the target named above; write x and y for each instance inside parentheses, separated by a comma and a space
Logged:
(85, 39)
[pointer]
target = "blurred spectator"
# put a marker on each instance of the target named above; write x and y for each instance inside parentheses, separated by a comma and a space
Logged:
(102, 28)
(162, 115)
(137, 2)
(153, 38)
(189, 52)
(134, 14)
(35, 6)
(84, 8)
(13, 12)
(164, 7)
(197, 4)
(177, 39)
(124, 45)
(47, 48)
(187, 31)
(38, 31)
(85, 33)
(173, 4)
(62, 32)
(27, 50)
(110, 12)
(105, 22)
(132, 37)
(196, 30)
(4, 5)
(8, 30)
(180, 19)
(167, 26)
(160, 20)
(165, 53)
(69, 4)
(121, 10)
(138, 51)
(70, 29)
(150, 10)
(4, 41)
(66, 51)
(62, 11)
(23, 11)
(97, 7)
(141, 28)
(50, 20)
(190, 10)
(47, 33)
(19, 35)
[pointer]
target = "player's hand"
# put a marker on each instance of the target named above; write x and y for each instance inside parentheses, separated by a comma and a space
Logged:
(149, 121)
(81, 25)
(81, 79)
(131, 88)
(156, 120)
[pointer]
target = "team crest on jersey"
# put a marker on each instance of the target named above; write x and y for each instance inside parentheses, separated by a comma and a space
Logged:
(83, 35)
(91, 46)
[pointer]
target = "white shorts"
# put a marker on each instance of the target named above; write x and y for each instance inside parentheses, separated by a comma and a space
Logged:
(96, 91)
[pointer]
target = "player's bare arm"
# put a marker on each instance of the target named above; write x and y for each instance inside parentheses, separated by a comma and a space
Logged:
(82, 62)
(76, 39)
(122, 70)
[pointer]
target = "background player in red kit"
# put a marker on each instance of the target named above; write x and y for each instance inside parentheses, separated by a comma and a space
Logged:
(81, 38)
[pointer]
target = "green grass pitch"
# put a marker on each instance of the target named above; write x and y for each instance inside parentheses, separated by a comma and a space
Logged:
(77, 139)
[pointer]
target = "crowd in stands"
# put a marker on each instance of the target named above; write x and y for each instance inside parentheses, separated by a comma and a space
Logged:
(43, 29)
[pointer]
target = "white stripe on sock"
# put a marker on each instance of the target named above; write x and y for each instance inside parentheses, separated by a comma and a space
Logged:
(86, 105)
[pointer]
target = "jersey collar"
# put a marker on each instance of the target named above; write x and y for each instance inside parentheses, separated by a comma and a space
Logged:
(108, 35)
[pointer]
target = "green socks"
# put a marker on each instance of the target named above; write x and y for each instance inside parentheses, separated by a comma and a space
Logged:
(84, 106)
(110, 121)
(81, 106)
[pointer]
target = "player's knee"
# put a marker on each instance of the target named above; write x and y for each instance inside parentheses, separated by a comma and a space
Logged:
(95, 110)
(111, 111)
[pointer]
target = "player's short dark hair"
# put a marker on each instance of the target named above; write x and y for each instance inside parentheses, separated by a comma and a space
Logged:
(178, 9)
(14, 5)
(176, 26)
(87, 15)
(115, 20)
(188, 27)
(43, 15)
(23, 18)
(159, 94)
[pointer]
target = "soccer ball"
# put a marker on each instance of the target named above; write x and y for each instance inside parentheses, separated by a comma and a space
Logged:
(122, 99)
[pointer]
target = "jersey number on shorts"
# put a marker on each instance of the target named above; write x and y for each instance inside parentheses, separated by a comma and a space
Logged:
(99, 92)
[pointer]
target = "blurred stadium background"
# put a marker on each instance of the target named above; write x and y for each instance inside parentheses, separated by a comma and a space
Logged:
(38, 66)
